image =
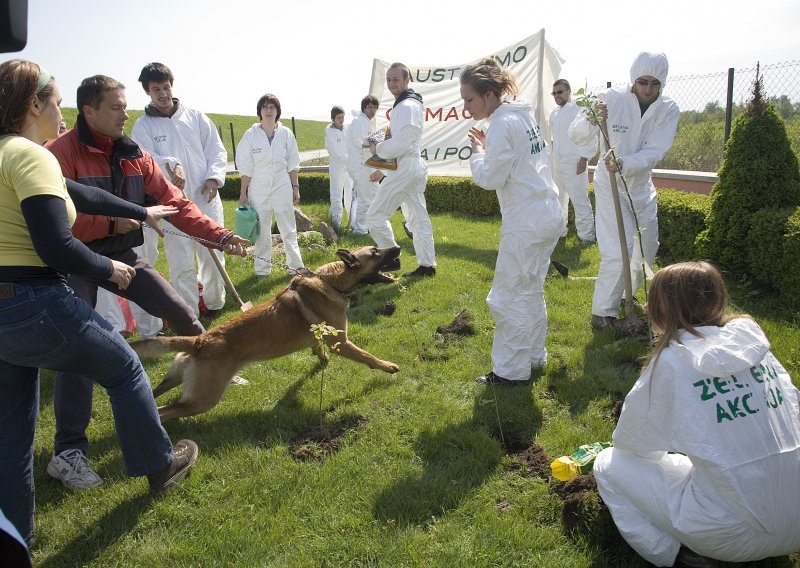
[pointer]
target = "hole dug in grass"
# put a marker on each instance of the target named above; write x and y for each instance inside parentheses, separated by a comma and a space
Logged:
(318, 443)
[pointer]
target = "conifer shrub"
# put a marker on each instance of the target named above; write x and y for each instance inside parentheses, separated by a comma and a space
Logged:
(759, 171)
(774, 249)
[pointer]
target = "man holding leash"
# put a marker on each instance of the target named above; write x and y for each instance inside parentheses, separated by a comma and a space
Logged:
(96, 152)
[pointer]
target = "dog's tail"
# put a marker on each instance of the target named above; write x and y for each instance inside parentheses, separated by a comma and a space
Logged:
(157, 346)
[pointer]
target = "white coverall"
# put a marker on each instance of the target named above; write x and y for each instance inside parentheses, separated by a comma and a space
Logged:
(341, 186)
(641, 141)
(404, 186)
(357, 154)
(190, 139)
(270, 192)
(572, 186)
(727, 404)
(516, 166)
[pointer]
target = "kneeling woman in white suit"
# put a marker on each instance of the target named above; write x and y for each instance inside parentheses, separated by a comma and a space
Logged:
(715, 395)
(268, 162)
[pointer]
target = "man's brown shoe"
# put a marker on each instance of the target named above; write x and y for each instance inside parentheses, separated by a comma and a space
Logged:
(184, 454)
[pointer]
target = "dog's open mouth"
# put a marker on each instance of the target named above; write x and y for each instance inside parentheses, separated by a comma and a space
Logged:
(391, 261)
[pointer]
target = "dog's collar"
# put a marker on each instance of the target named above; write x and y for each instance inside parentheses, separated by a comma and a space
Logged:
(302, 271)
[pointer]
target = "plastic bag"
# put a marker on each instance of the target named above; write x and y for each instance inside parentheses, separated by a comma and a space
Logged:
(247, 222)
(577, 463)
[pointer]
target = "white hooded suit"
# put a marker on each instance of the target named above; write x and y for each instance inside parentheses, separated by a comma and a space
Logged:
(190, 139)
(355, 134)
(641, 141)
(267, 164)
(572, 186)
(341, 186)
(516, 166)
(404, 186)
(731, 491)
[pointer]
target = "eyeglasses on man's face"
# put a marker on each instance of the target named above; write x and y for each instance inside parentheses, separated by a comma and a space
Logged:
(646, 83)
(558, 92)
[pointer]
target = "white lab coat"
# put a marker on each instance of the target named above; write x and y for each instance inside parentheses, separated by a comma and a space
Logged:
(270, 192)
(641, 141)
(404, 186)
(565, 155)
(341, 186)
(731, 491)
(190, 139)
(355, 134)
(516, 166)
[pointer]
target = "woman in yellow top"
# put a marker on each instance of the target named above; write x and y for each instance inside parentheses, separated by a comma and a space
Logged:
(42, 325)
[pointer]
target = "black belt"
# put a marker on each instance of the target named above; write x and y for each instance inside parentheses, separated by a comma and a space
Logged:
(6, 290)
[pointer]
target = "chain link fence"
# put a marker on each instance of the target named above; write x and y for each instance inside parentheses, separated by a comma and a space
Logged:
(709, 103)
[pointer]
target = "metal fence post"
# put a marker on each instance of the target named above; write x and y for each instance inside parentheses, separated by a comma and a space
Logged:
(233, 145)
(294, 131)
(729, 105)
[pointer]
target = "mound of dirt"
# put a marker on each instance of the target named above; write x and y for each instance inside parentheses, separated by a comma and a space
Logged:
(388, 309)
(533, 462)
(461, 325)
(585, 514)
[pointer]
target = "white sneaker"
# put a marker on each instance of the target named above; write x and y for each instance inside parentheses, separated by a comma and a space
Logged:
(239, 380)
(72, 468)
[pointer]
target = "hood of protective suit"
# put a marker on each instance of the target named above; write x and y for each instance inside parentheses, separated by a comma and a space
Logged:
(652, 64)
(737, 345)
(515, 106)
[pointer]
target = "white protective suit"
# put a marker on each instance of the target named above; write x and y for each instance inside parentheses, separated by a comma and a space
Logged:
(357, 154)
(270, 191)
(565, 155)
(190, 139)
(341, 186)
(641, 141)
(727, 404)
(516, 166)
(404, 186)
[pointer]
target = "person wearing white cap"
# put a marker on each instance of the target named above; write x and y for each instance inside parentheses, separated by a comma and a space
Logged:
(641, 126)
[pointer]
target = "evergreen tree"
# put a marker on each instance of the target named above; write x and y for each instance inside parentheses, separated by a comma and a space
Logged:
(759, 171)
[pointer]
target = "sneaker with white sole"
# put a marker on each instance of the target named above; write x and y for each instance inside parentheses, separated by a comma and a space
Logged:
(72, 468)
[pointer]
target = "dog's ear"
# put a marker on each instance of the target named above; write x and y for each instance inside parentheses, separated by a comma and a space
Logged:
(350, 261)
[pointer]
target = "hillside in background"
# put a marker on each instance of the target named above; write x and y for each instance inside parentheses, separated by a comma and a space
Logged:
(310, 133)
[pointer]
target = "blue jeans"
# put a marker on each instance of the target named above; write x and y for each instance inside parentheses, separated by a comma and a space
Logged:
(48, 327)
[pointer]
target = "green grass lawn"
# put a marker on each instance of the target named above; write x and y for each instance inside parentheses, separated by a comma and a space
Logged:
(423, 475)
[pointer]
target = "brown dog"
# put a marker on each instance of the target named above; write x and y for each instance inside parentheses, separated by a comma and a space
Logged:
(206, 363)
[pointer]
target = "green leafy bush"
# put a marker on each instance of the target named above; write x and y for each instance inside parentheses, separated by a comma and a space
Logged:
(759, 171)
(314, 187)
(774, 249)
(681, 217)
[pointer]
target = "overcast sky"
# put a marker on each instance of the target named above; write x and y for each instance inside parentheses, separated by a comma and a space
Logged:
(313, 54)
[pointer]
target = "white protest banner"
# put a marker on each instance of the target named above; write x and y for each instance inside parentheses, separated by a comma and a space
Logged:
(445, 146)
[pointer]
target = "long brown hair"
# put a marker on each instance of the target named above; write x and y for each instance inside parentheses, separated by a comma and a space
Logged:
(686, 296)
(19, 80)
(486, 76)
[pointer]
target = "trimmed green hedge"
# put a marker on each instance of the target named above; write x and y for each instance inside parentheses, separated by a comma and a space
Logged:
(681, 217)
(314, 188)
